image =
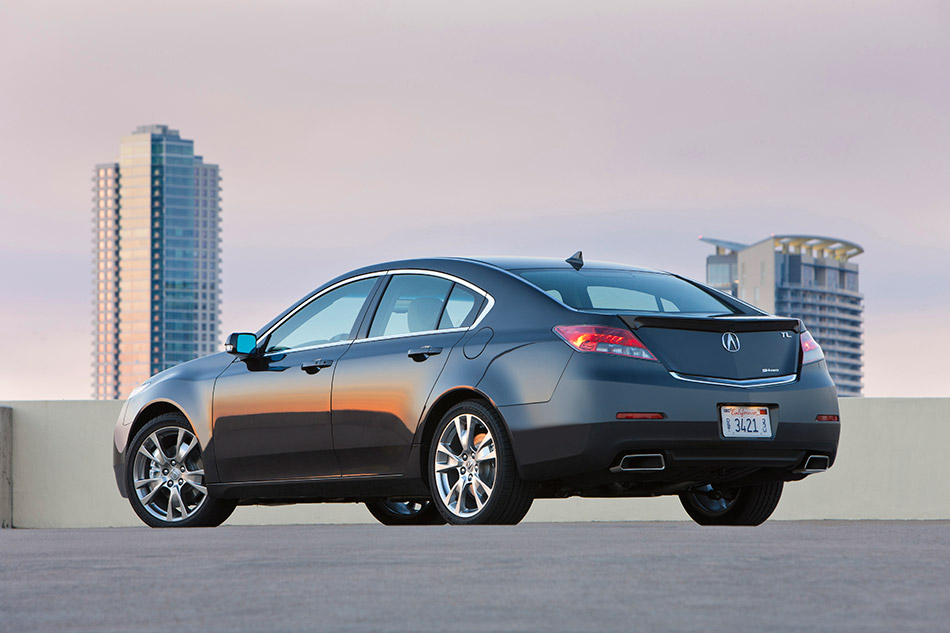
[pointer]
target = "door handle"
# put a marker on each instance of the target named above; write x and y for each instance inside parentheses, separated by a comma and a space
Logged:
(315, 366)
(419, 354)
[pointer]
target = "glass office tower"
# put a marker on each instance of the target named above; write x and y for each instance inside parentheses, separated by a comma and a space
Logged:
(157, 259)
(806, 277)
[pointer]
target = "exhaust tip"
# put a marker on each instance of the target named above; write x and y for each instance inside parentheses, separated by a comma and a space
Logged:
(640, 462)
(815, 464)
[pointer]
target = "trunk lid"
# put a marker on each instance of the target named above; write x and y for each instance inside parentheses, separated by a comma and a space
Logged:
(729, 347)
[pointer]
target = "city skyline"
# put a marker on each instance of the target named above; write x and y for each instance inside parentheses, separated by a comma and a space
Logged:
(157, 266)
(352, 136)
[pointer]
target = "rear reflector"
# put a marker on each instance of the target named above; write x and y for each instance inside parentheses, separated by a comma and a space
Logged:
(605, 340)
(827, 418)
(640, 416)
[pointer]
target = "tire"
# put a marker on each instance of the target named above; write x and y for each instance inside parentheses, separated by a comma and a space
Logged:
(749, 505)
(164, 474)
(405, 512)
(471, 469)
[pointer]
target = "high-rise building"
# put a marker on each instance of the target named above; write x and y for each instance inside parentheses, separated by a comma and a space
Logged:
(806, 277)
(157, 276)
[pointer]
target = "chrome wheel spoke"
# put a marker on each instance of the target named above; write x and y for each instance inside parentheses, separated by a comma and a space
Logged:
(186, 442)
(477, 481)
(159, 453)
(479, 504)
(459, 489)
(197, 486)
(156, 456)
(178, 443)
(181, 503)
(138, 483)
(485, 453)
(462, 432)
(452, 460)
(151, 494)
(170, 508)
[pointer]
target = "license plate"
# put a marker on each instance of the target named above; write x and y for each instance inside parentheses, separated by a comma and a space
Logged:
(745, 422)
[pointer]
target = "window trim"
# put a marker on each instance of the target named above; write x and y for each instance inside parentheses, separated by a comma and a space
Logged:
(488, 304)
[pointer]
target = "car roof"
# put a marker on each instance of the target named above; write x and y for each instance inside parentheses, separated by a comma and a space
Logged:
(498, 262)
(523, 263)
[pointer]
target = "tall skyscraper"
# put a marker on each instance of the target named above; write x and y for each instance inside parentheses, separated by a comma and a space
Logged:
(806, 277)
(156, 219)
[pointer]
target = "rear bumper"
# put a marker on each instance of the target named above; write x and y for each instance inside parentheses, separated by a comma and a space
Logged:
(575, 438)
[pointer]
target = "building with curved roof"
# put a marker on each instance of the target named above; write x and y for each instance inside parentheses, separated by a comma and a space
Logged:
(808, 277)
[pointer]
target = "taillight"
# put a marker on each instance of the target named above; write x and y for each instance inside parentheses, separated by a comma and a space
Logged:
(811, 350)
(606, 340)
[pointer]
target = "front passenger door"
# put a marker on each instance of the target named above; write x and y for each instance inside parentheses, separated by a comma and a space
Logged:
(271, 410)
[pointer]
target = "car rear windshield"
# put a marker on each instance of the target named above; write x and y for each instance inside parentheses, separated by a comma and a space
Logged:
(625, 291)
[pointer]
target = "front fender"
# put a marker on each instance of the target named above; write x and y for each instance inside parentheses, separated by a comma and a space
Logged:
(187, 388)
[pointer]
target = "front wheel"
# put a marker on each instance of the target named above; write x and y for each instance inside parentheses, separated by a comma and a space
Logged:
(472, 470)
(405, 512)
(747, 505)
(165, 477)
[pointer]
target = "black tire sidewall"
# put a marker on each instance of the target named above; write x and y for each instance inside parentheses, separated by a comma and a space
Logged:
(429, 515)
(752, 506)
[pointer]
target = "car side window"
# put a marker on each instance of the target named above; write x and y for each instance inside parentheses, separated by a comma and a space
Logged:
(327, 319)
(411, 303)
(461, 308)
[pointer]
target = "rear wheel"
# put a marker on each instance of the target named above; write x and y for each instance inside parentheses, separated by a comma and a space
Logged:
(405, 512)
(472, 470)
(165, 477)
(748, 505)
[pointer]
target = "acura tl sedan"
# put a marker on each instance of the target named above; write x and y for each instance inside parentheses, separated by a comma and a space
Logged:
(456, 390)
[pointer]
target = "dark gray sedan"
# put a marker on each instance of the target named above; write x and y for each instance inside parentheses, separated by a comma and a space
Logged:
(460, 390)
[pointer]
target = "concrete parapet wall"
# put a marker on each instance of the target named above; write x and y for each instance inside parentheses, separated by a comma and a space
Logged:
(891, 465)
(6, 467)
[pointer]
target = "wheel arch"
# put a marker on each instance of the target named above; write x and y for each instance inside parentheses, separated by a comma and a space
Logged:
(152, 411)
(439, 408)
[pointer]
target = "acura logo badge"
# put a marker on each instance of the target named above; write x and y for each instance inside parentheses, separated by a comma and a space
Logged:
(730, 342)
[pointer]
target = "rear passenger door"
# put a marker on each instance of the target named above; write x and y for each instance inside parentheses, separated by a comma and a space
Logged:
(383, 380)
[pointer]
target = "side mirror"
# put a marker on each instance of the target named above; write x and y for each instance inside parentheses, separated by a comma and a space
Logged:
(240, 343)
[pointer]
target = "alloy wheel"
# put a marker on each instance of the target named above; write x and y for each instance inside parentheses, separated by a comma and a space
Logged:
(712, 501)
(465, 465)
(168, 475)
(406, 508)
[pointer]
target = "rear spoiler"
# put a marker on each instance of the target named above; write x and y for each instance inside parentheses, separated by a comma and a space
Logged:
(715, 324)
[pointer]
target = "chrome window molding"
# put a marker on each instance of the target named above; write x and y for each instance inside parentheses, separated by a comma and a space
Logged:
(309, 347)
(489, 304)
(751, 383)
(408, 334)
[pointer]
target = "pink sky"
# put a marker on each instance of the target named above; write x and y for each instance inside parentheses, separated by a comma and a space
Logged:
(348, 134)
